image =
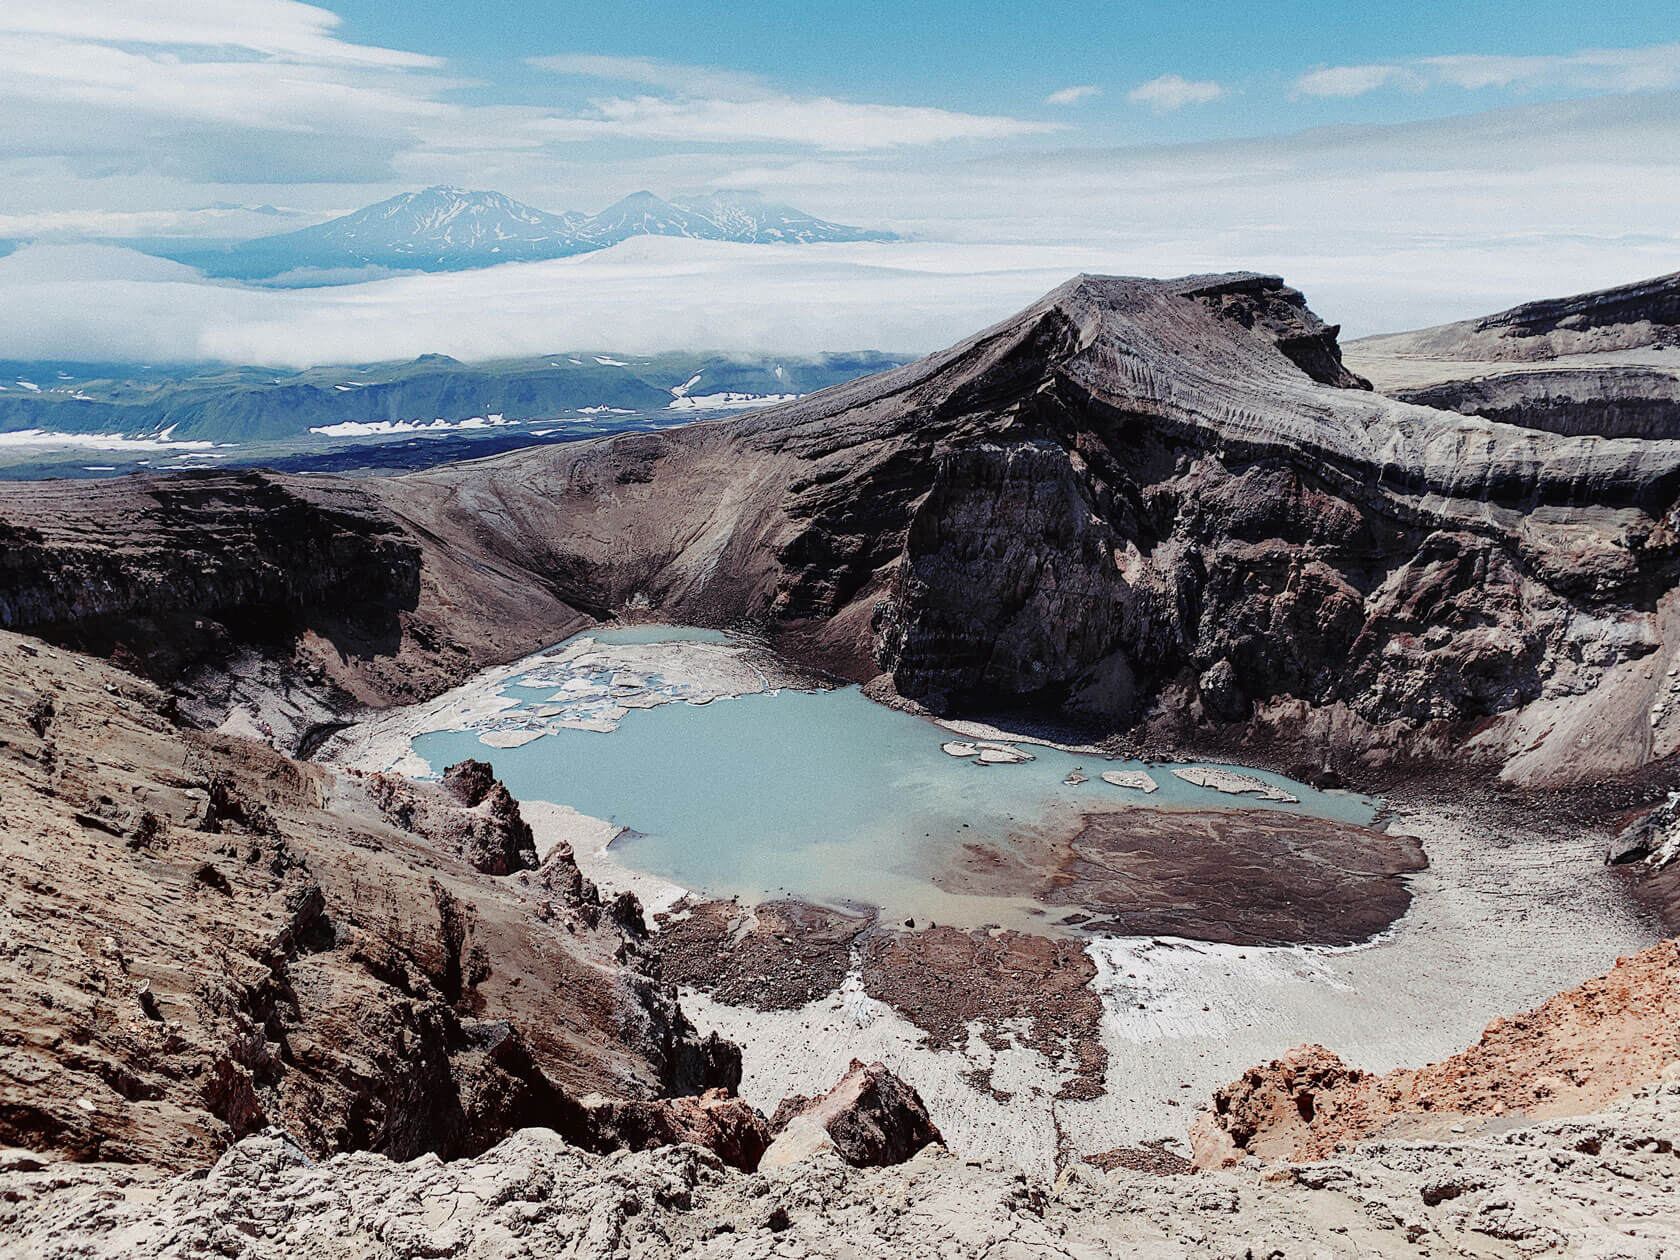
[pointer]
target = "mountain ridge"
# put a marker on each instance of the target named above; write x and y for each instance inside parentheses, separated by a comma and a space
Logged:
(1129, 506)
(446, 228)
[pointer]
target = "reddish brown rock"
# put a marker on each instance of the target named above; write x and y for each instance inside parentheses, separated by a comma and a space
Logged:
(725, 1125)
(1272, 1109)
(200, 937)
(1568, 1056)
(872, 1117)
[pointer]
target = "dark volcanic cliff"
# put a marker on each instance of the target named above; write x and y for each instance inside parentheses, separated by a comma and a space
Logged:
(1132, 503)
(1155, 505)
(1628, 317)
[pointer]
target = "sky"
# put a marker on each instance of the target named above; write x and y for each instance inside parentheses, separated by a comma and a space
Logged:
(1403, 166)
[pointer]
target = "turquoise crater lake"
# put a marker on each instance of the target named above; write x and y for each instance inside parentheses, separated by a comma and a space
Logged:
(821, 795)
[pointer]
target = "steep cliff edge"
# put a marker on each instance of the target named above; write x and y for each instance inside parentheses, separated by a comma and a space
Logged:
(1157, 507)
(1642, 315)
(200, 937)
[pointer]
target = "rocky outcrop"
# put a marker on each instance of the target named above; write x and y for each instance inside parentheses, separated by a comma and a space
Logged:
(1598, 1185)
(871, 1117)
(479, 818)
(1604, 363)
(1614, 402)
(1652, 838)
(166, 573)
(200, 937)
(294, 598)
(1569, 1056)
(716, 1120)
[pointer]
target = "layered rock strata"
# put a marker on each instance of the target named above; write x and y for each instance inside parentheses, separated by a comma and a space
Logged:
(200, 937)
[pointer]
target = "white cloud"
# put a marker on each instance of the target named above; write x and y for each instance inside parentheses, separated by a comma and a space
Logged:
(268, 95)
(672, 76)
(1383, 227)
(821, 122)
(1652, 68)
(1073, 95)
(88, 264)
(1173, 91)
(264, 92)
(273, 28)
(1341, 82)
(646, 295)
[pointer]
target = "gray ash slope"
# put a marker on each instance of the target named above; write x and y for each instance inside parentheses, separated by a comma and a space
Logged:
(1605, 363)
(1159, 507)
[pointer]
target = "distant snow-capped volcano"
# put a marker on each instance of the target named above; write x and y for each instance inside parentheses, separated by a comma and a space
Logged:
(453, 229)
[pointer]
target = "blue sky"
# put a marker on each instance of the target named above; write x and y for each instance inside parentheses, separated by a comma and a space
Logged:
(993, 56)
(1403, 163)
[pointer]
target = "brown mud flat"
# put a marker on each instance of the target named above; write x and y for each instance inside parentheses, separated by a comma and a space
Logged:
(1240, 877)
(944, 979)
(1244, 877)
(782, 955)
(775, 956)
(1151, 1157)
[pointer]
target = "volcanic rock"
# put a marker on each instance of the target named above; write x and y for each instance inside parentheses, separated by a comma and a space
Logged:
(717, 1120)
(1598, 1185)
(1604, 363)
(872, 1117)
(200, 937)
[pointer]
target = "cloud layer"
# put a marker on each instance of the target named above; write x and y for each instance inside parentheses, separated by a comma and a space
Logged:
(1382, 227)
(1073, 95)
(1651, 68)
(132, 118)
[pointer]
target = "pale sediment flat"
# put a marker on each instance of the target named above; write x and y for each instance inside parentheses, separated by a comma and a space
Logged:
(589, 839)
(633, 675)
(1498, 923)
(1137, 780)
(796, 1052)
(1232, 783)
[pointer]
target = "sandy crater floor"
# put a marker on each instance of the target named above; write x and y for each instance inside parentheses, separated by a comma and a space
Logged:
(1498, 922)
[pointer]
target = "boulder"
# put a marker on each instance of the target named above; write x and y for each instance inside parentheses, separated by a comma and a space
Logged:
(872, 1117)
(500, 841)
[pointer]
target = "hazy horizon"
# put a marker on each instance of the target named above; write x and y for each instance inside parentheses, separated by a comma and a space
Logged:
(1399, 173)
